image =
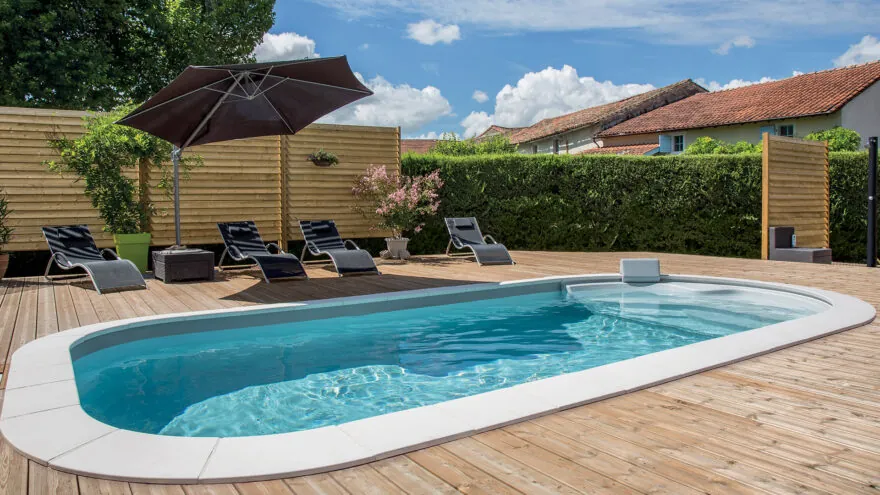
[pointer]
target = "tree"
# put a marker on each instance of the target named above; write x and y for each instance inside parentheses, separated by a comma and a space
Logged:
(710, 146)
(839, 138)
(450, 144)
(97, 54)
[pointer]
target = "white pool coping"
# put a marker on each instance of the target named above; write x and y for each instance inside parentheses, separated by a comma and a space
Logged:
(42, 418)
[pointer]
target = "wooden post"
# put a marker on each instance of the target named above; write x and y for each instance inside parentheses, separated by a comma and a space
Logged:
(282, 167)
(765, 196)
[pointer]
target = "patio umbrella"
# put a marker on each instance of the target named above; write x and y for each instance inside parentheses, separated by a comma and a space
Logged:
(206, 104)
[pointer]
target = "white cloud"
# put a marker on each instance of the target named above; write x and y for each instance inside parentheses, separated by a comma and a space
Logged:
(737, 83)
(739, 41)
(284, 46)
(480, 96)
(426, 135)
(866, 50)
(548, 93)
(431, 32)
(393, 105)
(734, 83)
(365, 46)
(661, 21)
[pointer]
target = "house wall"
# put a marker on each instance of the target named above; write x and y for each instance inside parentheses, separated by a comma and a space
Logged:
(570, 143)
(862, 113)
(734, 133)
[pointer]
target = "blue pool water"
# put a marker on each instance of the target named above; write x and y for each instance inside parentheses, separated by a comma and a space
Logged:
(296, 376)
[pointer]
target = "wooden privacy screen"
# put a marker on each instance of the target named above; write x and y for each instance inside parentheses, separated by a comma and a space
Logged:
(795, 190)
(268, 180)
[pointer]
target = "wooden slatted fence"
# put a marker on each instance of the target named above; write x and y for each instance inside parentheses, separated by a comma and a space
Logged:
(267, 180)
(795, 190)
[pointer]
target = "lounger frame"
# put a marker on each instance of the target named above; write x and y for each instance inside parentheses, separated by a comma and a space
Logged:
(61, 261)
(236, 254)
(453, 242)
(311, 248)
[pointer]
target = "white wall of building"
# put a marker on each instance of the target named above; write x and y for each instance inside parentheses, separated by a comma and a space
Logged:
(862, 113)
(571, 143)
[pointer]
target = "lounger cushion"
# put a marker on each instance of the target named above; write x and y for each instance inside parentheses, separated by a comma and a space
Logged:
(492, 254)
(114, 274)
(279, 265)
(350, 261)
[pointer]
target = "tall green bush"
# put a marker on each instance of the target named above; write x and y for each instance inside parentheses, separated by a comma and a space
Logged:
(701, 204)
(706, 145)
(839, 138)
(848, 173)
(451, 145)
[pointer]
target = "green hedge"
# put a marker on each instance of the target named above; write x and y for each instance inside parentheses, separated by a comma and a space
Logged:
(705, 204)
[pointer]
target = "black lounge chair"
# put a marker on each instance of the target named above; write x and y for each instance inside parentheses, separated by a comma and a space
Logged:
(322, 238)
(464, 233)
(73, 246)
(243, 242)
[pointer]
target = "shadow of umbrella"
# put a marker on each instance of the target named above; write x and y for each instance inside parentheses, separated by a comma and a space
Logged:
(207, 104)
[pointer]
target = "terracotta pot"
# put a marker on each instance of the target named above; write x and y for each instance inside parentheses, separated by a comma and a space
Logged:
(4, 264)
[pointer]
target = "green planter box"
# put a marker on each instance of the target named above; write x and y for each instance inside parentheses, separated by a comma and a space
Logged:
(134, 247)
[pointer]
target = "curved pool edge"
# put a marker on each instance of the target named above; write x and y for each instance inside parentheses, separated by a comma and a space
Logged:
(42, 419)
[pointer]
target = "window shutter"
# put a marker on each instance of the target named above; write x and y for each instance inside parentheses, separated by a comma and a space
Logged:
(768, 128)
(665, 144)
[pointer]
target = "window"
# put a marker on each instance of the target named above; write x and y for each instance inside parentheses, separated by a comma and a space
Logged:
(534, 149)
(786, 130)
(555, 146)
(678, 143)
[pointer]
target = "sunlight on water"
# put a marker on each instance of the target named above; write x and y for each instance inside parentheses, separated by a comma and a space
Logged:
(281, 378)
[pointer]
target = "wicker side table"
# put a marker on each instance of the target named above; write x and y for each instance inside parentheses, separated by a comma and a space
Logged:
(183, 264)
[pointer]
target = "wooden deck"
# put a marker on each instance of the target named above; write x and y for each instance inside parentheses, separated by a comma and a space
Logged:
(802, 420)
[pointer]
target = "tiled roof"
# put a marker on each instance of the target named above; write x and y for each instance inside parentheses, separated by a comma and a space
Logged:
(498, 130)
(626, 149)
(816, 93)
(604, 114)
(416, 145)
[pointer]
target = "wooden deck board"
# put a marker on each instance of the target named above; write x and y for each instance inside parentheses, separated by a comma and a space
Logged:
(801, 420)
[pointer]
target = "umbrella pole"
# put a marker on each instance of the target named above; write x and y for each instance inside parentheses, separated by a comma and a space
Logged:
(175, 159)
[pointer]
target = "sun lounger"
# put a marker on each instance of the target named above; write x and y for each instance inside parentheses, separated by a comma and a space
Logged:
(73, 247)
(464, 233)
(322, 238)
(243, 242)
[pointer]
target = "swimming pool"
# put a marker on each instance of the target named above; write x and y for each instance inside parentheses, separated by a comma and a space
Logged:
(293, 389)
(291, 376)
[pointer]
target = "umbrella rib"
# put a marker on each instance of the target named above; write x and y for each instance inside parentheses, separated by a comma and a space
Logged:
(284, 79)
(171, 100)
(278, 114)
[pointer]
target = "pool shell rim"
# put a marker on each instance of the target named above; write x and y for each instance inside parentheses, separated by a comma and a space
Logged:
(42, 419)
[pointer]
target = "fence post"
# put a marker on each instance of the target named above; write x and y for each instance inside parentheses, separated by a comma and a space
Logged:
(872, 202)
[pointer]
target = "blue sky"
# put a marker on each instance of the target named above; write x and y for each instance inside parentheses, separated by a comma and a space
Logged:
(540, 58)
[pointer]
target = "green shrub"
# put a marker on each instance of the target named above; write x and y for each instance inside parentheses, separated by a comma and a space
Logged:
(848, 173)
(839, 138)
(98, 158)
(685, 204)
(700, 204)
(5, 230)
(451, 145)
(710, 146)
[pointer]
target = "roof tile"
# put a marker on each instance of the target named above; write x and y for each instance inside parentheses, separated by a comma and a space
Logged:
(816, 93)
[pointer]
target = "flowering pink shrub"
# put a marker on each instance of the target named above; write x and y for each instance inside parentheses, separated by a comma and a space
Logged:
(402, 204)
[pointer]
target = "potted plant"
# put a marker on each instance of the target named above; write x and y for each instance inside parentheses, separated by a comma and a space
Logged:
(99, 158)
(402, 204)
(5, 232)
(323, 158)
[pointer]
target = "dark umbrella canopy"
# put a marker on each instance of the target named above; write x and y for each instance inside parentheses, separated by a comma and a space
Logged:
(206, 104)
